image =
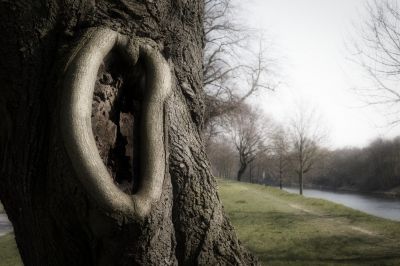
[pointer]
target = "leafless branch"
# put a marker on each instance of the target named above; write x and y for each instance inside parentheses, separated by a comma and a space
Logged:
(232, 71)
(378, 54)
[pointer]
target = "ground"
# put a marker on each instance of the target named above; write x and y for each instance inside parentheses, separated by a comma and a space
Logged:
(9, 255)
(288, 229)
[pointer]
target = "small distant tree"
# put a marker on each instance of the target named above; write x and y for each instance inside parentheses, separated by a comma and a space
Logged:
(223, 157)
(249, 133)
(261, 170)
(280, 149)
(306, 136)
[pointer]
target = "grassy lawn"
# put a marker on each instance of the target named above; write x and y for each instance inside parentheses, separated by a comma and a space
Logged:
(288, 229)
(9, 255)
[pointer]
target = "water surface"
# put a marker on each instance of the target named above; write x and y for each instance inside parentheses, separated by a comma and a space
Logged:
(5, 225)
(379, 206)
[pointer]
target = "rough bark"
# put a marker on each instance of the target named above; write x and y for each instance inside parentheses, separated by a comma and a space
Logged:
(55, 220)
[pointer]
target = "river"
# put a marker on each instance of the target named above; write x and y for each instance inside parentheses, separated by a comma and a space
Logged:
(5, 225)
(382, 207)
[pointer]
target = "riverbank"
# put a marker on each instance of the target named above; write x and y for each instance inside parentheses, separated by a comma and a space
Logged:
(384, 207)
(9, 255)
(287, 229)
(391, 193)
(5, 225)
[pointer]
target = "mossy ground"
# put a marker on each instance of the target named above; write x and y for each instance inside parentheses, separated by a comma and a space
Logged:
(288, 229)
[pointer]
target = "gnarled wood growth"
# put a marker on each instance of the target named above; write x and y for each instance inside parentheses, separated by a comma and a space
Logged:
(77, 130)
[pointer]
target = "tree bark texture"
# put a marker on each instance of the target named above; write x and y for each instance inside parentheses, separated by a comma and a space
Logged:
(55, 220)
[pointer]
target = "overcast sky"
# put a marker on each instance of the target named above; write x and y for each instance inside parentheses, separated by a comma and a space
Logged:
(311, 37)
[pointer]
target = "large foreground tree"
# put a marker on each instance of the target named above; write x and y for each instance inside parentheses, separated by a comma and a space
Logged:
(101, 110)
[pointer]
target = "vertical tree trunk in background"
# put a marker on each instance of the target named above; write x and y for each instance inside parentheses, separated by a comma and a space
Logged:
(241, 171)
(55, 221)
(301, 182)
(250, 173)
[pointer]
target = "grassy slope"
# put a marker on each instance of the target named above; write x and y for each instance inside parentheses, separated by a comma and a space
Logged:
(9, 255)
(287, 229)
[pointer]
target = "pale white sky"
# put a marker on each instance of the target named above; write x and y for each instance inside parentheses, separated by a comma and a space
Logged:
(311, 35)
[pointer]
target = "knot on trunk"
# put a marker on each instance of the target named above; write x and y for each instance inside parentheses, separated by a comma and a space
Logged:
(96, 156)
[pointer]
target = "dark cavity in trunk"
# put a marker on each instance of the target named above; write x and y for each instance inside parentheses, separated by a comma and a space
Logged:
(116, 114)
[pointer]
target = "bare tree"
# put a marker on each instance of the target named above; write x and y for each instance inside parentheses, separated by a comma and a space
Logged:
(306, 135)
(281, 148)
(260, 170)
(223, 157)
(378, 53)
(232, 71)
(249, 134)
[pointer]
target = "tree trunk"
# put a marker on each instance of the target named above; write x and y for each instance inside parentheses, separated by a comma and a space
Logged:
(280, 179)
(57, 218)
(241, 171)
(301, 182)
(250, 173)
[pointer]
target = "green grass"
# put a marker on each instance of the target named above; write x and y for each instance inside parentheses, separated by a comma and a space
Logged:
(9, 255)
(288, 229)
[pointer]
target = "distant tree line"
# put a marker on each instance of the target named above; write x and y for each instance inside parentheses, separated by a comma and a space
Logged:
(252, 147)
(373, 168)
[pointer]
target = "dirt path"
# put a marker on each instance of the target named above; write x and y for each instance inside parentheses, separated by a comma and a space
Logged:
(363, 230)
(302, 208)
